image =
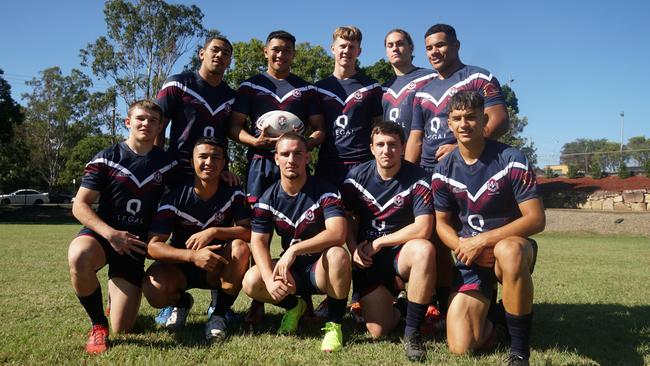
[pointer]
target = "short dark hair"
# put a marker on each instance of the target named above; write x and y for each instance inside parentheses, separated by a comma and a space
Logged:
(466, 99)
(402, 32)
(213, 141)
(295, 136)
(281, 34)
(218, 38)
(388, 128)
(147, 105)
(442, 28)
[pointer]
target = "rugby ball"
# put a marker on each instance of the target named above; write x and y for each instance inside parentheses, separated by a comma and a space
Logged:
(279, 122)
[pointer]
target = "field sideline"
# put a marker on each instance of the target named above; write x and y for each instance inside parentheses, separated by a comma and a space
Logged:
(592, 307)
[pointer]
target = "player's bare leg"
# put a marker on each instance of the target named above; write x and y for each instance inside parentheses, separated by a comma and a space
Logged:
(163, 284)
(467, 324)
(380, 314)
(125, 303)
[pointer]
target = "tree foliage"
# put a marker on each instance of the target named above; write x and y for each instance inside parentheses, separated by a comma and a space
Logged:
(144, 39)
(80, 155)
(381, 71)
(517, 124)
(587, 152)
(639, 147)
(10, 113)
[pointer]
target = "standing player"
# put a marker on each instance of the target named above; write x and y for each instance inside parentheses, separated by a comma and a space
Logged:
(430, 139)
(490, 188)
(391, 200)
(208, 222)
(275, 89)
(309, 217)
(400, 90)
(351, 103)
(128, 179)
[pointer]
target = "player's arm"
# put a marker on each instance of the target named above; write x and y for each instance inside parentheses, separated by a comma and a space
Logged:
(414, 147)
(241, 230)
(421, 228)
(445, 229)
(238, 133)
(317, 137)
(497, 121)
(360, 258)
(122, 241)
(532, 221)
(204, 258)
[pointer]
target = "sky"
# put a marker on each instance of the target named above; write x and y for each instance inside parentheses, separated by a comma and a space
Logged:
(574, 65)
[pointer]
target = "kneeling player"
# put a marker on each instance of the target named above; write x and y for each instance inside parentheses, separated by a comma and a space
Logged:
(128, 179)
(391, 200)
(209, 224)
(309, 217)
(490, 187)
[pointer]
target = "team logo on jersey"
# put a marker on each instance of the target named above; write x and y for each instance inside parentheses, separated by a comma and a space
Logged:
(411, 85)
(453, 91)
(358, 95)
(157, 177)
(458, 189)
(492, 185)
(490, 90)
(399, 201)
(296, 93)
(228, 107)
(435, 124)
(219, 216)
(309, 215)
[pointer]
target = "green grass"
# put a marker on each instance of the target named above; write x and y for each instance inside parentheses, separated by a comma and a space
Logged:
(592, 307)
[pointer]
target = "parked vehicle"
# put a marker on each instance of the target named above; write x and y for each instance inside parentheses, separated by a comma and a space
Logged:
(25, 197)
(60, 197)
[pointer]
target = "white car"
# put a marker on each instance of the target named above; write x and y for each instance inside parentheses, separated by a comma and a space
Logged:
(25, 197)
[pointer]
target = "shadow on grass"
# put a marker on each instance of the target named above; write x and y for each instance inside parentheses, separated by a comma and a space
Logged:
(609, 334)
(42, 214)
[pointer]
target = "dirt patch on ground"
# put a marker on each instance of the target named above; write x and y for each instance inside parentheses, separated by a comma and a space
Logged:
(586, 184)
(628, 223)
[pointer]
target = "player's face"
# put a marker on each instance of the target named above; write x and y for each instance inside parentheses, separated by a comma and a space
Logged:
(216, 57)
(279, 55)
(466, 124)
(345, 52)
(208, 162)
(144, 125)
(292, 158)
(398, 49)
(442, 51)
(387, 149)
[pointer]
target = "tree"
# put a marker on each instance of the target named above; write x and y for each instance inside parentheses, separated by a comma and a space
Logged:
(312, 63)
(586, 152)
(623, 171)
(103, 114)
(513, 136)
(639, 147)
(144, 40)
(572, 173)
(80, 155)
(381, 71)
(56, 119)
(10, 113)
(596, 170)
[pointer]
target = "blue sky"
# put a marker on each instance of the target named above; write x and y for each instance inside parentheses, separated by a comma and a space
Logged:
(575, 64)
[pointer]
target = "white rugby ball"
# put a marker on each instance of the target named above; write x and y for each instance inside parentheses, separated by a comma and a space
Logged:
(278, 122)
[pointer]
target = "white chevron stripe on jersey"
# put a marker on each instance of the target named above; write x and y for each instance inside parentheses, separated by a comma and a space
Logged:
(199, 97)
(421, 78)
(374, 201)
(362, 90)
(447, 92)
(194, 220)
(277, 97)
(474, 197)
(284, 218)
(130, 175)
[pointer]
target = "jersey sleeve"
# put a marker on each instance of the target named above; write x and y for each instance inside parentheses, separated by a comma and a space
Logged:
(262, 217)
(417, 119)
(312, 101)
(96, 173)
(522, 177)
(332, 205)
(240, 208)
(376, 108)
(443, 198)
(491, 91)
(350, 194)
(422, 198)
(243, 100)
(169, 96)
(163, 221)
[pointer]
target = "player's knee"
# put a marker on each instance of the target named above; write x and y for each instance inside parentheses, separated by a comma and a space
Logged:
(377, 331)
(153, 291)
(338, 258)
(251, 282)
(79, 257)
(240, 251)
(422, 252)
(458, 348)
(510, 254)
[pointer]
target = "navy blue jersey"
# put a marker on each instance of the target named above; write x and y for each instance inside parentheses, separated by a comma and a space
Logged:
(486, 194)
(182, 213)
(130, 186)
(431, 103)
(349, 105)
(263, 93)
(195, 109)
(298, 217)
(386, 206)
(399, 91)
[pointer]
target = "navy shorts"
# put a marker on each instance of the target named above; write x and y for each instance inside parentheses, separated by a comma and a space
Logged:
(303, 271)
(262, 173)
(197, 277)
(334, 173)
(128, 267)
(381, 273)
(482, 279)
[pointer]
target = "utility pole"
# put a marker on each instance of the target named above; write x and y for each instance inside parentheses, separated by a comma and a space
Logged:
(622, 125)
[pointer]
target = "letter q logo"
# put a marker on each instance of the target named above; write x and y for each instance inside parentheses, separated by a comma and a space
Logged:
(133, 206)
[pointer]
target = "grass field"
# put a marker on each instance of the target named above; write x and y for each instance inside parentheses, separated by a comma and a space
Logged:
(592, 307)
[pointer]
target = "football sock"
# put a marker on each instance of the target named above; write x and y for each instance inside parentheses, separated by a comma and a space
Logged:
(94, 307)
(213, 297)
(184, 301)
(414, 317)
(496, 313)
(442, 293)
(519, 327)
(288, 302)
(335, 309)
(224, 303)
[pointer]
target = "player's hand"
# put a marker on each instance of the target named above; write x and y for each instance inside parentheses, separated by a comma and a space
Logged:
(124, 243)
(206, 259)
(360, 257)
(279, 289)
(486, 258)
(200, 240)
(283, 265)
(444, 150)
(231, 178)
(266, 141)
(469, 249)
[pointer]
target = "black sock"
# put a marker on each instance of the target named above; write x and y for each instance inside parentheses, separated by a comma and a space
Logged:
(224, 303)
(214, 293)
(496, 313)
(519, 327)
(184, 301)
(288, 302)
(442, 293)
(335, 309)
(414, 317)
(94, 307)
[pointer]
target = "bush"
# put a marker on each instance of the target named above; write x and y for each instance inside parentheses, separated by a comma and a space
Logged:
(548, 172)
(647, 168)
(572, 172)
(623, 171)
(596, 170)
